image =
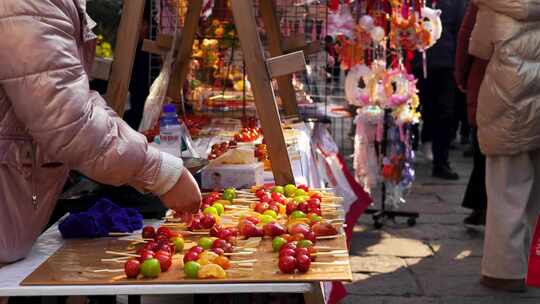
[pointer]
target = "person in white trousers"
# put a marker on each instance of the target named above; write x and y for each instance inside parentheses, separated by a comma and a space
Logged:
(507, 33)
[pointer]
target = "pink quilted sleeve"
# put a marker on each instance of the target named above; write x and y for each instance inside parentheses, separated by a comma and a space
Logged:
(44, 79)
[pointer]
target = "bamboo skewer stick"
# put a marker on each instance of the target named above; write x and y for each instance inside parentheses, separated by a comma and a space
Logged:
(116, 259)
(246, 248)
(244, 191)
(246, 201)
(122, 254)
(332, 199)
(237, 207)
(108, 270)
(135, 238)
(136, 242)
(332, 252)
(174, 225)
(326, 205)
(239, 253)
(336, 220)
(247, 265)
(119, 260)
(174, 220)
(187, 232)
(239, 269)
(329, 237)
(327, 248)
(243, 261)
(249, 246)
(254, 244)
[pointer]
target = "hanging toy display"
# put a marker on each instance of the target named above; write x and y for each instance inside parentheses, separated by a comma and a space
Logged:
(341, 22)
(356, 85)
(398, 163)
(419, 31)
(399, 88)
(431, 22)
(369, 122)
(376, 50)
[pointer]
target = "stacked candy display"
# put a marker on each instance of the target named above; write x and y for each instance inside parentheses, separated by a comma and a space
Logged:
(301, 205)
(248, 134)
(209, 258)
(296, 256)
(155, 256)
(221, 148)
(299, 210)
(289, 215)
(201, 264)
(213, 206)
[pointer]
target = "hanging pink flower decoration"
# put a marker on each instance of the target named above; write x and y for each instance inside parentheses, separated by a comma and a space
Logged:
(341, 22)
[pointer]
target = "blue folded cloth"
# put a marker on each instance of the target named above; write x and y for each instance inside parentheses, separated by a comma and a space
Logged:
(104, 217)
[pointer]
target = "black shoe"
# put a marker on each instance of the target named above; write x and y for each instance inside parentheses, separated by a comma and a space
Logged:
(510, 285)
(476, 220)
(445, 172)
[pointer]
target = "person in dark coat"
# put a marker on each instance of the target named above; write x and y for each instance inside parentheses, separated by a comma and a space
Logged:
(139, 87)
(438, 90)
(469, 73)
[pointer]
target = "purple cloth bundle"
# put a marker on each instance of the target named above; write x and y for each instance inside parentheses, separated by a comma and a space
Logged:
(104, 217)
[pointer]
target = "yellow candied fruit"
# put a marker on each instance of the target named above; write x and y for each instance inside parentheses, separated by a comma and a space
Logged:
(207, 257)
(223, 202)
(212, 271)
(282, 209)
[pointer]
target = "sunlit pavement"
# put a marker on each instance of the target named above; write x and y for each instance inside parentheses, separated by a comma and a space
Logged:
(436, 261)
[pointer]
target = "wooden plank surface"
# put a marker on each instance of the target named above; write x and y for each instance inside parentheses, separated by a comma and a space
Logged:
(286, 64)
(183, 57)
(74, 263)
(126, 47)
(296, 42)
(276, 48)
(263, 92)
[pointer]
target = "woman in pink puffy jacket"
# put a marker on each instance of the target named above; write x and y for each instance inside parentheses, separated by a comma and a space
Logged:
(50, 122)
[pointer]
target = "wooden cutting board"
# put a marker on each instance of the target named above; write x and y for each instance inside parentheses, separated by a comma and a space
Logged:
(74, 263)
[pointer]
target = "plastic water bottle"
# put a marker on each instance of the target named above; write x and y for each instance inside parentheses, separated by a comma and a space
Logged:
(170, 131)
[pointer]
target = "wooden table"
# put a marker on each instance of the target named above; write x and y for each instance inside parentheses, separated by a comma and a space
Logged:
(12, 275)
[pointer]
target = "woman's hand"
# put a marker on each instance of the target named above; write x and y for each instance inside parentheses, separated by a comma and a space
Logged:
(185, 197)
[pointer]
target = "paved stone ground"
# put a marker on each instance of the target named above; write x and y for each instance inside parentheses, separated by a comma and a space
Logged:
(435, 262)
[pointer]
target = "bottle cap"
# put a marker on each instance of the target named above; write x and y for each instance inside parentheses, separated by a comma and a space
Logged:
(169, 108)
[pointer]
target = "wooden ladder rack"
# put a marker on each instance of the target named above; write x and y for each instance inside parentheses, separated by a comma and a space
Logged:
(287, 58)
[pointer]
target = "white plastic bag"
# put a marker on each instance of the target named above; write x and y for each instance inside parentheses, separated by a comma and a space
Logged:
(158, 90)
